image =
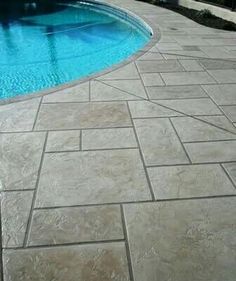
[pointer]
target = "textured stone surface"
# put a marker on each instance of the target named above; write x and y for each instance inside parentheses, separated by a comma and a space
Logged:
(74, 94)
(73, 225)
(63, 140)
(152, 79)
(187, 78)
(20, 156)
(212, 151)
(190, 129)
(108, 138)
(159, 66)
(231, 169)
(92, 177)
(82, 115)
(189, 181)
(18, 116)
(159, 142)
(220, 121)
(128, 71)
(222, 94)
(173, 240)
(230, 111)
(192, 106)
(224, 76)
(15, 208)
(191, 65)
(175, 92)
(85, 262)
(117, 90)
(142, 109)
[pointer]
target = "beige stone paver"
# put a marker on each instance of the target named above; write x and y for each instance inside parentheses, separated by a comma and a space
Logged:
(129, 176)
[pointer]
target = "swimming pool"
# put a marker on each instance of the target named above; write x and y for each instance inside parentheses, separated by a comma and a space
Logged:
(42, 51)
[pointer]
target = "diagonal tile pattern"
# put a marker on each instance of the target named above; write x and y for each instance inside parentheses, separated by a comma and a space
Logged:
(78, 166)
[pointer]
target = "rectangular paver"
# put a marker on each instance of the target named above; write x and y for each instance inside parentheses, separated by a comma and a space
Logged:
(108, 138)
(175, 92)
(159, 143)
(72, 263)
(73, 225)
(187, 78)
(82, 115)
(190, 129)
(203, 152)
(222, 94)
(172, 240)
(20, 116)
(78, 178)
(15, 209)
(20, 156)
(159, 66)
(189, 181)
(63, 140)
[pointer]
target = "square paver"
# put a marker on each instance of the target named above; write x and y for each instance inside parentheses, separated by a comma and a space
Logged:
(152, 79)
(189, 181)
(190, 129)
(78, 178)
(172, 240)
(108, 138)
(230, 111)
(187, 78)
(159, 66)
(175, 92)
(18, 116)
(73, 94)
(20, 156)
(72, 263)
(15, 209)
(202, 152)
(73, 225)
(159, 143)
(192, 106)
(82, 115)
(63, 140)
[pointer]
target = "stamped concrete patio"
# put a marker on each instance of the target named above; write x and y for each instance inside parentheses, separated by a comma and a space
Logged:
(131, 175)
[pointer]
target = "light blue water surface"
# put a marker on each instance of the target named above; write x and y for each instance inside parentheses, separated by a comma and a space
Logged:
(40, 52)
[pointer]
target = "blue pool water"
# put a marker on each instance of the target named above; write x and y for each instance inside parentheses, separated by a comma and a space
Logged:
(42, 51)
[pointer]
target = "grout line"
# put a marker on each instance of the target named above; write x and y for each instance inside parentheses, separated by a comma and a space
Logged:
(65, 130)
(37, 113)
(34, 194)
(210, 141)
(128, 253)
(188, 157)
(228, 175)
(46, 246)
(136, 202)
(80, 144)
(141, 156)
(92, 149)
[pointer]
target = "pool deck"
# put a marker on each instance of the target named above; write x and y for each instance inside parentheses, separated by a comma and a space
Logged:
(130, 176)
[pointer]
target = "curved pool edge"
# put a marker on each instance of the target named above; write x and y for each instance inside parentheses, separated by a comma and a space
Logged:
(156, 35)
